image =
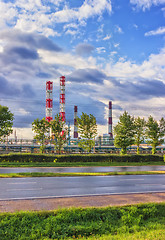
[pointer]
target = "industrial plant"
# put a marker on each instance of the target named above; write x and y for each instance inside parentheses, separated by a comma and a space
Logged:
(106, 138)
(103, 143)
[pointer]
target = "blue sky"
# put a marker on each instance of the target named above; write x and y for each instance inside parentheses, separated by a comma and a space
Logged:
(107, 49)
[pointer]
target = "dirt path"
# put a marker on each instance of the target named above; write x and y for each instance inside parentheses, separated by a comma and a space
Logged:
(91, 201)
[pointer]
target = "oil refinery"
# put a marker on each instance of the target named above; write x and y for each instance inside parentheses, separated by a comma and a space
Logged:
(103, 143)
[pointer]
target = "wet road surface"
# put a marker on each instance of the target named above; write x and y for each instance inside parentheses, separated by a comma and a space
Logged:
(53, 187)
(82, 169)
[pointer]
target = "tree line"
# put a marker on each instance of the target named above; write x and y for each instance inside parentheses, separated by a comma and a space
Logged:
(56, 132)
(130, 130)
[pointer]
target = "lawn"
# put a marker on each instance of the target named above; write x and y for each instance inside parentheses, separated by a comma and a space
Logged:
(143, 221)
(78, 164)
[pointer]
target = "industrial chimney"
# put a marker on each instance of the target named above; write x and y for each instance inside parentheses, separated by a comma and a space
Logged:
(75, 123)
(110, 120)
(49, 100)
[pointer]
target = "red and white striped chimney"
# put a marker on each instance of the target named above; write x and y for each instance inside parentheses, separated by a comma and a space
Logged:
(62, 98)
(110, 119)
(49, 100)
(75, 123)
(62, 101)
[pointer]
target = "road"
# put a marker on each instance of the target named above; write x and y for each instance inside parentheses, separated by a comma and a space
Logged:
(53, 187)
(82, 169)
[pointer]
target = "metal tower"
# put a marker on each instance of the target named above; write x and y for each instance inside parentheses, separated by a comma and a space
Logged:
(110, 120)
(49, 100)
(75, 123)
(62, 98)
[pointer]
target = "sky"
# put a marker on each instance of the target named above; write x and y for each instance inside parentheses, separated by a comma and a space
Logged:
(107, 50)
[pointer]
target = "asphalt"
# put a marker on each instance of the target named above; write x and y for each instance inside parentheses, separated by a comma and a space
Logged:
(82, 169)
(57, 187)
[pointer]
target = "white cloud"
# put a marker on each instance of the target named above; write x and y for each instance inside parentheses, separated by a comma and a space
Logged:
(101, 50)
(113, 53)
(7, 13)
(70, 25)
(22, 111)
(151, 68)
(118, 29)
(144, 4)
(67, 59)
(88, 9)
(159, 31)
(27, 15)
(107, 37)
(71, 32)
(38, 16)
(135, 26)
(116, 45)
(100, 28)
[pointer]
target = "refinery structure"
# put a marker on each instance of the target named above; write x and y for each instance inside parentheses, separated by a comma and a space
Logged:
(72, 141)
(103, 143)
(106, 138)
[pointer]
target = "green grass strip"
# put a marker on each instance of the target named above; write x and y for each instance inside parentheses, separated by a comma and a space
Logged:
(50, 174)
(142, 221)
(157, 234)
(78, 164)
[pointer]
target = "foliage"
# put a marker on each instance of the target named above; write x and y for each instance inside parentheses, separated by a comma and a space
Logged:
(81, 222)
(41, 128)
(124, 132)
(139, 131)
(155, 132)
(86, 144)
(77, 158)
(6, 121)
(87, 129)
(58, 132)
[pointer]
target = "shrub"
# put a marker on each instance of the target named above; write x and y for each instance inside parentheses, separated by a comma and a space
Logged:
(28, 157)
(71, 223)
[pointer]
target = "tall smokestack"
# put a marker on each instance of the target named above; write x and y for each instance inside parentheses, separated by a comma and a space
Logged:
(110, 120)
(49, 100)
(62, 101)
(62, 98)
(75, 123)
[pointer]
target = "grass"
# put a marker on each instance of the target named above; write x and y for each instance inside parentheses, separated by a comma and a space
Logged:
(78, 164)
(143, 235)
(50, 174)
(143, 221)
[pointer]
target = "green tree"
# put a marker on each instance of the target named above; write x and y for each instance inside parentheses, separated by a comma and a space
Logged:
(155, 132)
(87, 129)
(124, 132)
(41, 129)
(139, 131)
(59, 132)
(6, 122)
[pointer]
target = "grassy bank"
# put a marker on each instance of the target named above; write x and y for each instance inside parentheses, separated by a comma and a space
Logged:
(78, 164)
(97, 223)
(49, 174)
(157, 234)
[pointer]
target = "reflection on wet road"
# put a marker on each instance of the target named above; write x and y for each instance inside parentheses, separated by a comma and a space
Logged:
(52, 187)
(82, 169)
